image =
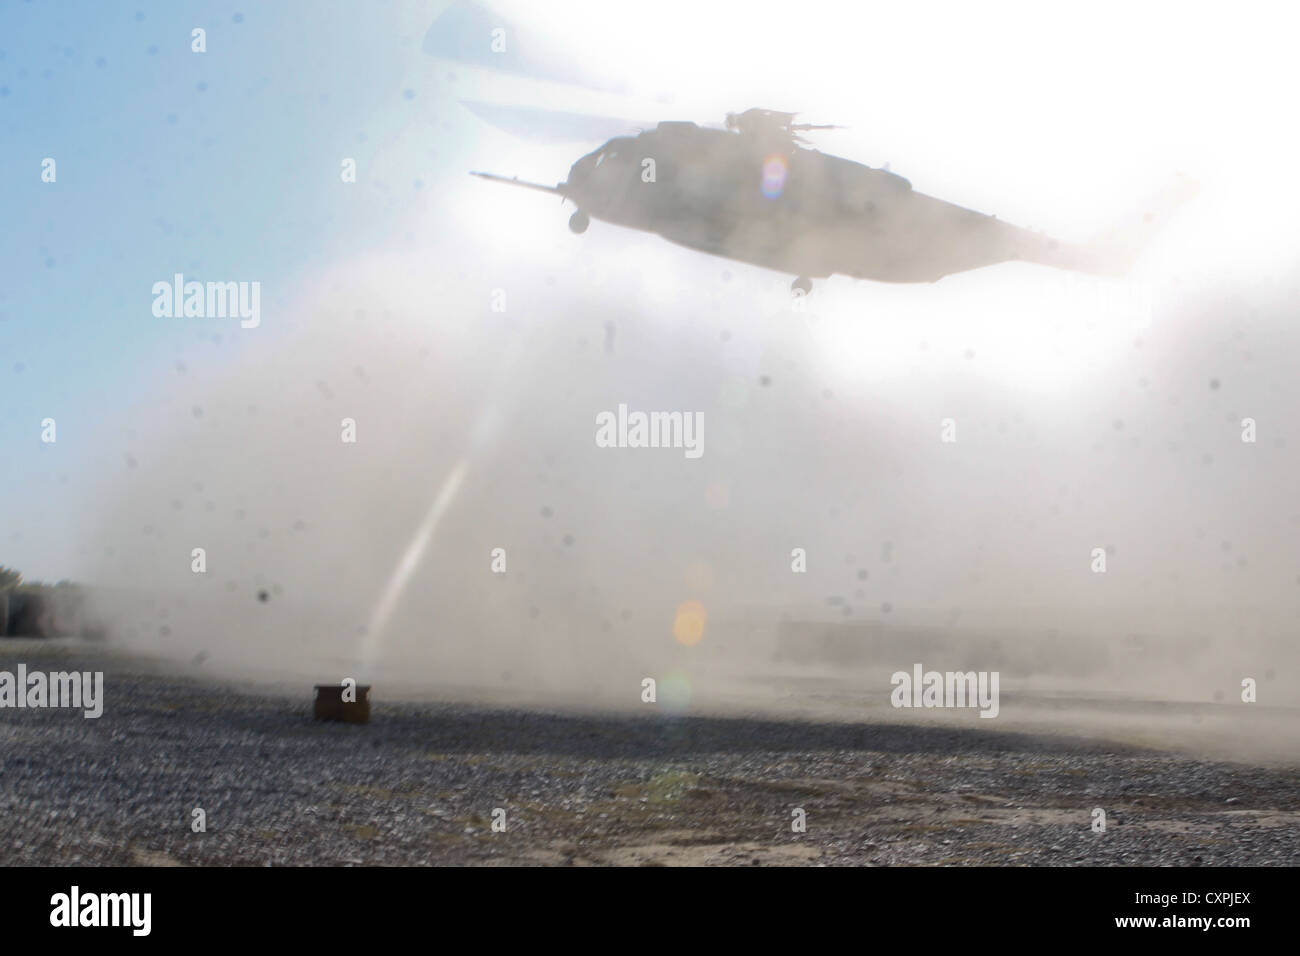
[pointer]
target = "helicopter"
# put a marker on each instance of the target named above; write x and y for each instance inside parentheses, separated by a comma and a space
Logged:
(755, 193)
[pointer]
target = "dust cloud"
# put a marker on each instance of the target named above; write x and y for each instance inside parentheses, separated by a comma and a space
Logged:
(823, 431)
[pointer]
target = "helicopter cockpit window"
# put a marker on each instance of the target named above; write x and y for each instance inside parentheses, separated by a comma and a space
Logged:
(609, 154)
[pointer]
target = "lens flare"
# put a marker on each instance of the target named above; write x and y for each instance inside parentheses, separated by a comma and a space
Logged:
(774, 170)
(688, 625)
(675, 693)
(410, 560)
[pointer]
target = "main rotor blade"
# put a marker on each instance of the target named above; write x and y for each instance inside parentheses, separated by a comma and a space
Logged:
(516, 181)
(553, 125)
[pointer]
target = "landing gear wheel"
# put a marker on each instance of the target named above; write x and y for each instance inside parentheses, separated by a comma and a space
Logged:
(802, 285)
(579, 222)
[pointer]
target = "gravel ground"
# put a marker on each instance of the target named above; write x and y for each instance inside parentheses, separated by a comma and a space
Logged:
(420, 784)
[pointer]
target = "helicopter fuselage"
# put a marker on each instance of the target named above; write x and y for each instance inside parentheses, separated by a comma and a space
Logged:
(764, 200)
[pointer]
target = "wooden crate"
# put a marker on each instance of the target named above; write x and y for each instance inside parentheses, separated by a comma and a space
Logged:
(330, 704)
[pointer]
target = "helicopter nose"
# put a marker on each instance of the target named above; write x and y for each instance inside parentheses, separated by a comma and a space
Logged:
(579, 175)
(580, 169)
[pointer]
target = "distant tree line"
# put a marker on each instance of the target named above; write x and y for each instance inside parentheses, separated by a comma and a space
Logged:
(33, 609)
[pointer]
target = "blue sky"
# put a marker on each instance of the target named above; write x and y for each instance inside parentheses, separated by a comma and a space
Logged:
(223, 165)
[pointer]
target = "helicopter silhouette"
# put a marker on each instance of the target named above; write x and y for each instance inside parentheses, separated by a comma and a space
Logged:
(752, 192)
